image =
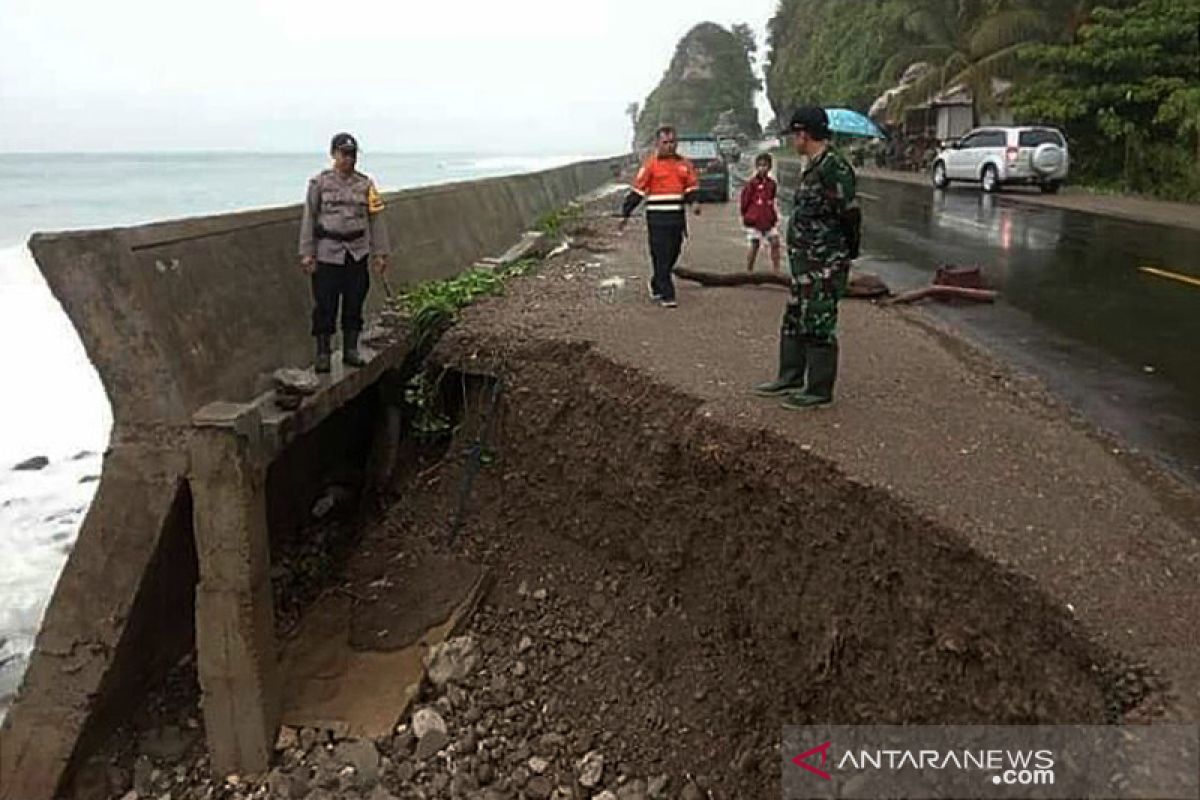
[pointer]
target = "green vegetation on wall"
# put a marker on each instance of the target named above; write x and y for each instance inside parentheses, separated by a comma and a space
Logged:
(710, 73)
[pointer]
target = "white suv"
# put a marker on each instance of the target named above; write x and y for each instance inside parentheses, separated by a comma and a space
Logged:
(995, 156)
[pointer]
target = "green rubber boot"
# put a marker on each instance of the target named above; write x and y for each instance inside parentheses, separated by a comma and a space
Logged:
(324, 354)
(791, 367)
(822, 374)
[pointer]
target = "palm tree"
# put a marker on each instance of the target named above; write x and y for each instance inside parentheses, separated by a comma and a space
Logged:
(966, 44)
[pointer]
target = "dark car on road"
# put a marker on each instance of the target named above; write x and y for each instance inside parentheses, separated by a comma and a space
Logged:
(705, 153)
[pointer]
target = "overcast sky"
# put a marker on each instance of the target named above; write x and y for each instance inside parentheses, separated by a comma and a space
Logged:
(544, 76)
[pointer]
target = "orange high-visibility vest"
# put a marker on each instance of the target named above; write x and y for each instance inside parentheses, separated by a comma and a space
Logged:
(664, 183)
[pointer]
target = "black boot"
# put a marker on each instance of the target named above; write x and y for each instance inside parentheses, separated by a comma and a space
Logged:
(822, 374)
(324, 353)
(791, 365)
(350, 355)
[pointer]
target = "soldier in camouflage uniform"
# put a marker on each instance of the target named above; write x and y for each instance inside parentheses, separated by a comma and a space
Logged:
(821, 240)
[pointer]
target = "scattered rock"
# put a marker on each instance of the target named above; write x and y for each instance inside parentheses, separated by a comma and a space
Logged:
(308, 738)
(550, 743)
(538, 788)
(538, 765)
(295, 381)
(403, 744)
(605, 795)
(380, 793)
(634, 790)
(426, 720)
(691, 792)
(431, 743)
(452, 660)
(333, 498)
(32, 464)
(362, 755)
(540, 595)
(590, 769)
(288, 738)
(286, 785)
(525, 645)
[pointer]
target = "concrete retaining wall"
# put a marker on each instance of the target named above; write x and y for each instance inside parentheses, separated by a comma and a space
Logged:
(176, 315)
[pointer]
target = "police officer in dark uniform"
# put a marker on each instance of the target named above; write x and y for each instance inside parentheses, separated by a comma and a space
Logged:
(342, 228)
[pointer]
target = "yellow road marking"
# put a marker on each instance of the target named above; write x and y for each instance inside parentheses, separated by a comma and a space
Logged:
(1174, 276)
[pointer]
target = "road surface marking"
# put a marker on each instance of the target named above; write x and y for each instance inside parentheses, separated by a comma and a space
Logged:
(1174, 276)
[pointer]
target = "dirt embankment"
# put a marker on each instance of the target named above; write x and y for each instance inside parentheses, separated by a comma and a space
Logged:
(677, 573)
(688, 588)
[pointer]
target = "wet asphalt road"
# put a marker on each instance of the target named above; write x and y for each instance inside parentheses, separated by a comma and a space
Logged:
(1120, 345)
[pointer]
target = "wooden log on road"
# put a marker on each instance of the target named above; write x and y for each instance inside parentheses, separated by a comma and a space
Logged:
(944, 293)
(862, 284)
(734, 278)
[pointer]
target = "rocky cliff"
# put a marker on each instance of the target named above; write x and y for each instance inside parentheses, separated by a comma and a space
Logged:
(710, 73)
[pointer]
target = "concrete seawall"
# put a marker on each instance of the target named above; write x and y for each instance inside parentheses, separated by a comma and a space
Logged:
(175, 316)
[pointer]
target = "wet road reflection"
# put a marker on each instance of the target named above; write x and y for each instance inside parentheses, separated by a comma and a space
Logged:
(1079, 309)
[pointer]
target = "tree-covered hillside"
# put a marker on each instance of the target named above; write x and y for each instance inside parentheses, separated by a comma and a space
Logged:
(710, 73)
(1119, 76)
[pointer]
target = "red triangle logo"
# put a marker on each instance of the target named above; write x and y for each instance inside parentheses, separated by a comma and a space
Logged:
(802, 760)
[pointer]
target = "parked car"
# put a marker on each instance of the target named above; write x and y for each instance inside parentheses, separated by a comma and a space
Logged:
(995, 156)
(705, 154)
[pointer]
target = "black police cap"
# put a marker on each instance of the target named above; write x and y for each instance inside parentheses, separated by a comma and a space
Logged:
(343, 141)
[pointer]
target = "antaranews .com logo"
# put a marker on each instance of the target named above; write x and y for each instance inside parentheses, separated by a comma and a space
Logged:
(1059, 761)
(1001, 767)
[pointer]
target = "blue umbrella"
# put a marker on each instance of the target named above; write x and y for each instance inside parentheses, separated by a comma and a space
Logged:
(852, 123)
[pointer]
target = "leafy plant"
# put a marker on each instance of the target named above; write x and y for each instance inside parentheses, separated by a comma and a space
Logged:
(420, 395)
(434, 304)
(555, 222)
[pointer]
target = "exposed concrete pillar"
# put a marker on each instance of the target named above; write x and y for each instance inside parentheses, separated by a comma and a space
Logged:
(236, 654)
